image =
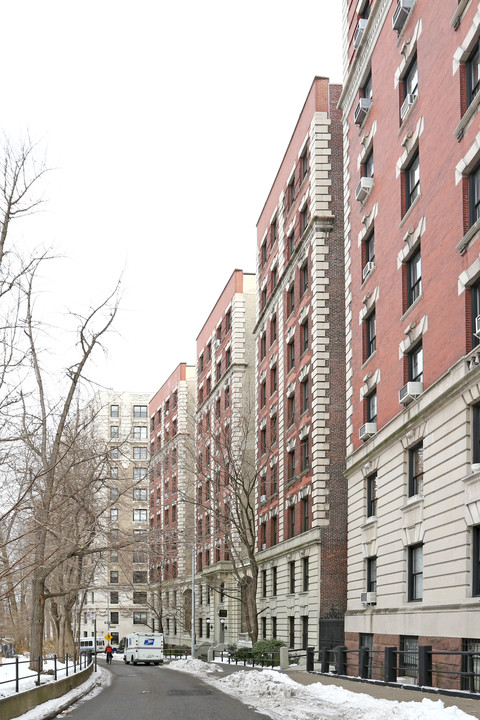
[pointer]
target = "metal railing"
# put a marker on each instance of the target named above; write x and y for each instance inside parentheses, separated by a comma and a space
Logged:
(248, 659)
(177, 652)
(451, 670)
(71, 666)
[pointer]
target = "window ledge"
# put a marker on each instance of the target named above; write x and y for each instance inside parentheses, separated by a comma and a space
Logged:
(458, 14)
(410, 209)
(368, 359)
(469, 237)
(370, 522)
(469, 113)
(412, 502)
(411, 307)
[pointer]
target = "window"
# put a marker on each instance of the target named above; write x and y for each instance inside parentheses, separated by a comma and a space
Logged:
(305, 459)
(372, 574)
(140, 494)
(367, 89)
(140, 411)
(218, 334)
(304, 164)
(304, 278)
(291, 192)
(305, 576)
(264, 583)
(139, 473)
(476, 561)
(372, 495)
(473, 73)
(263, 345)
(304, 395)
(114, 431)
(114, 411)
(291, 521)
(291, 575)
(304, 336)
(227, 396)
(114, 617)
(291, 244)
(114, 556)
(273, 428)
(263, 394)
(139, 516)
(200, 364)
(415, 364)
(228, 358)
(274, 581)
(114, 494)
(414, 278)
(370, 335)
(274, 627)
(291, 631)
(228, 320)
(273, 329)
(368, 166)
(140, 576)
(139, 618)
(415, 573)
(218, 408)
(291, 354)
(114, 473)
(304, 219)
(139, 598)
(410, 80)
(371, 401)
(263, 441)
(113, 515)
(139, 432)
(263, 298)
(412, 181)
(291, 300)
(274, 231)
(274, 278)
(291, 465)
(113, 576)
(408, 664)
(274, 530)
(263, 253)
(415, 470)
(291, 409)
(114, 453)
(218, 371)
(264, 628)
(274, 480)
(139, 453)
(209, 351)
(476, 434)
(305, 515)
(273, 380)
(474, 195)
(114, 598)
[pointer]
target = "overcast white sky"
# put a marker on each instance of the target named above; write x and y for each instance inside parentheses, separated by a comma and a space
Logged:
(166, 123)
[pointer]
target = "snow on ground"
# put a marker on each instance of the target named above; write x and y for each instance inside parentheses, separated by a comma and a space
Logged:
(95, 684)
(278, 696)
(28, 678)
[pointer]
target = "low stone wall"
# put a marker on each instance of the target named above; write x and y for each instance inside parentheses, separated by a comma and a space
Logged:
(15, 705)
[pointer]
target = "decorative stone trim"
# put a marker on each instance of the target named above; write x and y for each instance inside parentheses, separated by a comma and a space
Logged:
(370, 381)
(304, 372)
(370, 467)
(273, 410)
(304, 432)
(263, 423)
(458, 14)
(469, 160)
(414, 332)
(290, 389)
(273, 360)
(303, 314)
(290, 334)
(273, 461)
(291, 444)
(367, 142)
(412, 240)
(369, 301)
(414, 435)
(410, 143)
(408, 50)
(469, 276)
(463, 51)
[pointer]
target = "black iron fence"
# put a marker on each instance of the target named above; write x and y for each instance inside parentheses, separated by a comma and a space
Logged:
(58, 671)
(421, 667)
(177, 652)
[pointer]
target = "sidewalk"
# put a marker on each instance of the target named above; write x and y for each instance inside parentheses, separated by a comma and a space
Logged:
(468, 705)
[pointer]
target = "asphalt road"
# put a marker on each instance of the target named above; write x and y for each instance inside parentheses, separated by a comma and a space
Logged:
(146, 692)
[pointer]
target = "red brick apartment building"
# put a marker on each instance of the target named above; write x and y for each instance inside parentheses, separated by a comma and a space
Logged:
(300, 375)
(224, 413)
(172, 493)
(412, 225)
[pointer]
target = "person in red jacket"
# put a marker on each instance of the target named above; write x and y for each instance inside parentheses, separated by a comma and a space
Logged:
(109, 653)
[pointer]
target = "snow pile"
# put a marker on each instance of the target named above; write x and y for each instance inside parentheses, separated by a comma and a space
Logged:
(278, 696)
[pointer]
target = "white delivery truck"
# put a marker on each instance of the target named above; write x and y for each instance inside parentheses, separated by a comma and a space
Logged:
(143, 647)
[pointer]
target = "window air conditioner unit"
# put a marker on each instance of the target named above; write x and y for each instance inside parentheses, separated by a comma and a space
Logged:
(477, 326)
(367, 430)
(263, 498)
(407, 104)
(217, 342)
(264, 546)
(402, 11)
(368, 598)
(409, 392)
(369, 268)
(361, 111)
(357, 38)
(364, 188)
